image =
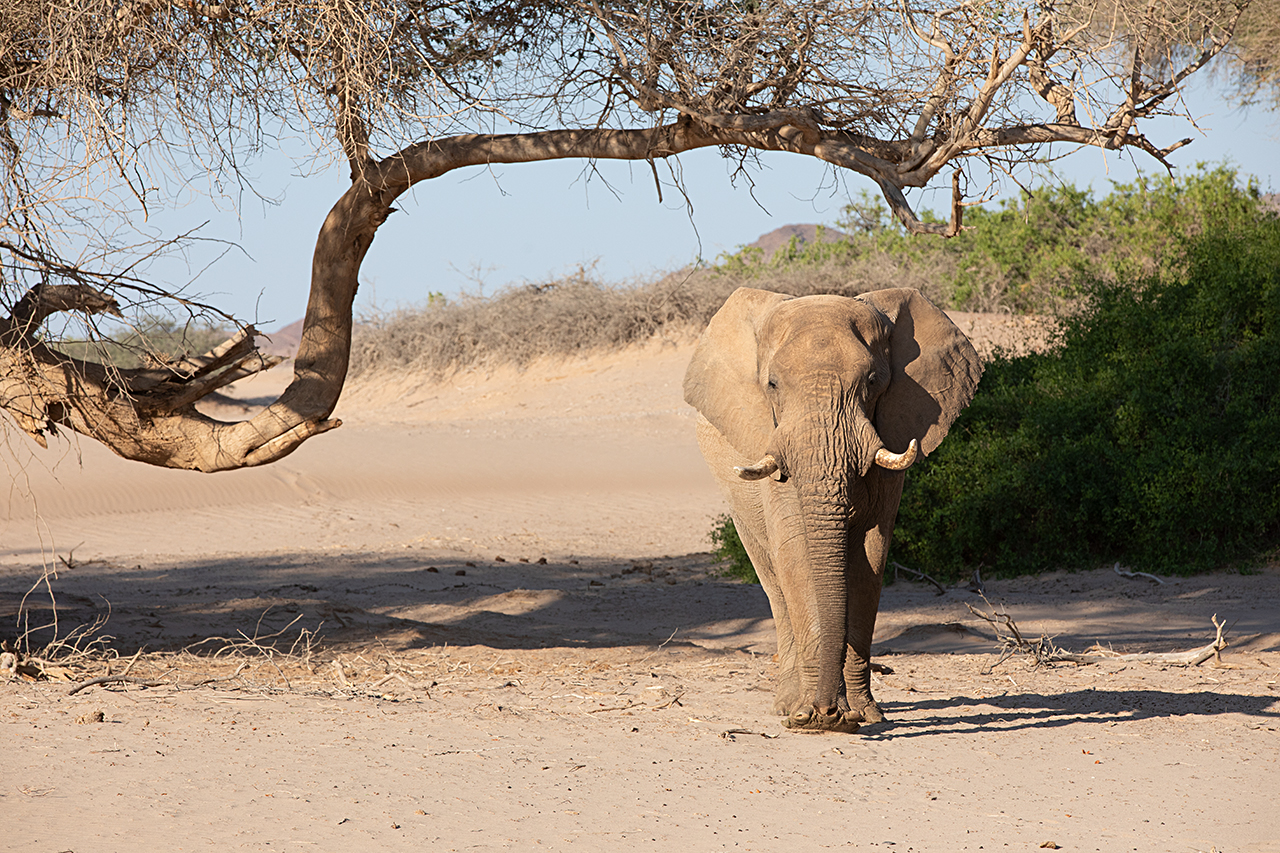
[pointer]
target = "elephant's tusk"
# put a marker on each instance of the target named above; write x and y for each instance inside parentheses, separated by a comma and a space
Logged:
(766, 466)
(898, 461)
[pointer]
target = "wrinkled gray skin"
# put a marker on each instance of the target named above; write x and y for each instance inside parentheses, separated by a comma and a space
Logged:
(818, 386)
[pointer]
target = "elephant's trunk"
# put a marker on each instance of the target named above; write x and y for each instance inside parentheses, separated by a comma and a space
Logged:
(825, 458)
(822, 461)
(824, 512)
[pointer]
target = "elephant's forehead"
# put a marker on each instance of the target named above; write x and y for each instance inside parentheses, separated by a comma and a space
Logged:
(826, 315)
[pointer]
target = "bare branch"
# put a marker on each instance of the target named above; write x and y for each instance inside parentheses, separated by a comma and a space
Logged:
(1042, 650)
(45, 299)
(898, 567)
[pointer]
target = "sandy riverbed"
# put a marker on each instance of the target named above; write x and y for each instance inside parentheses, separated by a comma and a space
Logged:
(615, 696)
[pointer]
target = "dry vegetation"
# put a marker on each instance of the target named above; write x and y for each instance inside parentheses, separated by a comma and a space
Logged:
(288, 661)
(582, 314)
(1026, 256)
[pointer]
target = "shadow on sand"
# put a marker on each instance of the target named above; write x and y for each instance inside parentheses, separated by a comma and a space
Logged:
(1017, 711)
(397, 601)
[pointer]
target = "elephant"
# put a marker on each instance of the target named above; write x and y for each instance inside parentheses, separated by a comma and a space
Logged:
(810, 410)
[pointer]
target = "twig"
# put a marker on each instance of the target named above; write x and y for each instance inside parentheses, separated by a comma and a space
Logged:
(1128, 574)
(659, 648)
(390, 676)
(110, 679)
(70, 560)
(730, 732)
(674, 700)
(621, 707)
(230, 677)
(898, 567)
(342, 676)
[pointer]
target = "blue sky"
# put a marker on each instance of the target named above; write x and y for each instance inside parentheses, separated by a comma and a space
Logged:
(481, 229)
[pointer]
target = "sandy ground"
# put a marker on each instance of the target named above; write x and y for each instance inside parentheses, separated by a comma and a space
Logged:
(375, 678)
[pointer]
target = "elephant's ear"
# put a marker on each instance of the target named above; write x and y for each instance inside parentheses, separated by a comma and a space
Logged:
(935, 371)
(723, 381)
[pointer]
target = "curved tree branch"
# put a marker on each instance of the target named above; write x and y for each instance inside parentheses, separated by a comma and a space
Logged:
(767, 77)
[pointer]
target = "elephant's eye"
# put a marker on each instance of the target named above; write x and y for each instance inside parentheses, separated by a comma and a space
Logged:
(773, 384)
(872, 378)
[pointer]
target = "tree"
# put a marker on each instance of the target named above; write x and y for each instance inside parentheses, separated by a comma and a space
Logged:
(1253, 58)
(107, 107)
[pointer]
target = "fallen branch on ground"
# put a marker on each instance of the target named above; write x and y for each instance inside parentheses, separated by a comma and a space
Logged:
(731, 732)
(1043, 651)
(1128, 574)
(1192, 657)
(112, 679)
(898, 567)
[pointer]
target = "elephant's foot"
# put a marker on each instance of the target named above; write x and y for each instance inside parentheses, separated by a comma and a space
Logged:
(866, 710)
(787, 696)
(813, 719)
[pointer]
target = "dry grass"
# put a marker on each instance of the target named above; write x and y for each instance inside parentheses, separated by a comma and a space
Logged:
(296, 661)
(581, 314)
(289, 660)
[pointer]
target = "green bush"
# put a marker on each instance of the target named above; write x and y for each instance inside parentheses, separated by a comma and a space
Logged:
(1025, 254)
(729, 550)
(1147, 434)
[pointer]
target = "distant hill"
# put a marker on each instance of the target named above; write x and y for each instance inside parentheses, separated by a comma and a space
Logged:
(777, 238)
(283, 342)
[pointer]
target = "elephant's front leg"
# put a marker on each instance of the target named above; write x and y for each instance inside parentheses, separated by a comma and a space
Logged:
(864, 601)
(749, 503)
(787, 695)
(865, 579)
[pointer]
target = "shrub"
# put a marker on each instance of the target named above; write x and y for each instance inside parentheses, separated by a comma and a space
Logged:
(1146, 435)
(580, 315)
(1026, 254)
(729, 549)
